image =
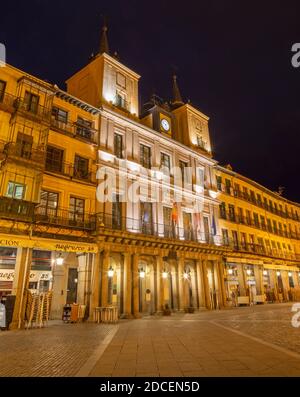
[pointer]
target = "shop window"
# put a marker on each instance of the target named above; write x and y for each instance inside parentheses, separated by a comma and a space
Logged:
(15, 190)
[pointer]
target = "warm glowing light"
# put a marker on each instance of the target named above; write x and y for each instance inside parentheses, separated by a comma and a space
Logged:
(248, 272)
(106, 156)
(265, 272)
(199, 189)
(165, 274)
(230, 271)
(75, 280)
(290, 274)
(185, 276)
(110, 272)
(213, 194)
(278, 273)
(133, 166)
(142, 273)
(59, 261)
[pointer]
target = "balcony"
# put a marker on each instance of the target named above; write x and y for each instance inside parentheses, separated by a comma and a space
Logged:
(74, 129)
(64, 218)
(7, 102)
(170, 231)
(71, 171)
(121, 103)
(15, 209)
(26, 154)
(36, 112)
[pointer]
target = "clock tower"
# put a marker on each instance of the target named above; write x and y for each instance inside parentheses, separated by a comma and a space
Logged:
(158, 116)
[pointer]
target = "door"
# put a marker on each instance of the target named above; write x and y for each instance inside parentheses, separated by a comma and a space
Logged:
(167, 212)
(72, 286)
(146, 218)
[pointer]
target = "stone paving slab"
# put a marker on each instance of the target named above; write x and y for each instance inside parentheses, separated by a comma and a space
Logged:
(57, 350)
(205, 344)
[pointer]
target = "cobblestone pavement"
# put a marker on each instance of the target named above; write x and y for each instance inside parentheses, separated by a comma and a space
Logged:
(258, 341)
(57, 350)
(255, 341)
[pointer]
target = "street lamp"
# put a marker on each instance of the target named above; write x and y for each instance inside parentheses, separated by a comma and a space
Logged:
(185, 275)
(59, 260)
(164, 274)
(278, 274)
(249, 272)
(230, 272)
(142, 273)
(110, 272)
(265, 272)
(290, 274)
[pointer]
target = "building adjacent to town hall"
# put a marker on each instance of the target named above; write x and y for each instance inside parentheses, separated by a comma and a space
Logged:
(106, 204)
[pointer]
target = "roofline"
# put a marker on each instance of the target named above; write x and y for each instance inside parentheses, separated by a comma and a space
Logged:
(192, 109)
(256, 184)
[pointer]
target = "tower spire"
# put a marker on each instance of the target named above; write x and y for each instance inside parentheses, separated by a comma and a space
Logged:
(177, 99)
(103, 40)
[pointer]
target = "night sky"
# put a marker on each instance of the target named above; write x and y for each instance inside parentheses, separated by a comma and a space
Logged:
(232, 57)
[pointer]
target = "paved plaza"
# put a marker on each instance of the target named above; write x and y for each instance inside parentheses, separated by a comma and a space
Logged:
(251, 341)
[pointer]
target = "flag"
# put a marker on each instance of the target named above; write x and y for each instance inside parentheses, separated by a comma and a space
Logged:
(174, 213)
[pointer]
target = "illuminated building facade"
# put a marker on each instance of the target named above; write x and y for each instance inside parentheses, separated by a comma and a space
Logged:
(105, 204)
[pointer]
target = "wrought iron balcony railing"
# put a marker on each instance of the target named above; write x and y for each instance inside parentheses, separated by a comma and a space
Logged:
(24, 152)
(16, 209)
(65, 217)
(70, 170)
(76, 129)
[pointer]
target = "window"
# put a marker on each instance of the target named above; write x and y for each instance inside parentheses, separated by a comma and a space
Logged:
(219, 183)
(256, 220)
(183, 168)
(168, 227)
(266, 203)
(24, 145)
(2, 89)
(252, 196)
(259, 202)
(200, 176)
(121, 101)
(165, 161)
(84, 128)
(116, 212)
(248, 217)
(244, 240)
(54, 159)
(237, 190)
(81, 167)
(245, 193)
(227, 186)
(146, 217)
(49, 203)
(118, 146)
(252, 240)
(187, 225)
(76, 210)
(231, 212)
(269, 224)
(225, 237)
(15, 190)
(60, 114)
(223, 210)
(235, 239)
(240, 215)
(263, 222)
(31, 102)
(274, 226)
(145, 156)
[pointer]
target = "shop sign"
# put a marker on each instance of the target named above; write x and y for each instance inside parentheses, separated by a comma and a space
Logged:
(8, 275)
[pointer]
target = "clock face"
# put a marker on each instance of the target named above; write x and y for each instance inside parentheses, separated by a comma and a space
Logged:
(165, 124)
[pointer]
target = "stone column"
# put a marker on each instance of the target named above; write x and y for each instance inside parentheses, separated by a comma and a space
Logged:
(159, 284)
(258, 274)
(95, 284)
(241, 279)
(221, 283)
(200, 284)
(180, 283)
(296, 278)
(104, 278)
(286, 284)
(82, 279)
(59, 291)
(135, 285)
(127, 290)
(20, 286)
